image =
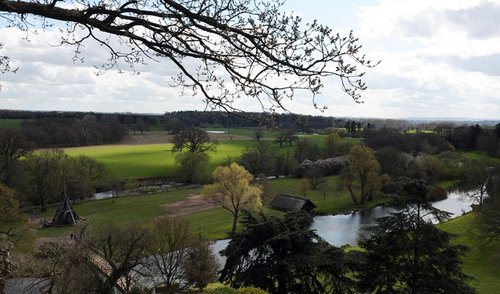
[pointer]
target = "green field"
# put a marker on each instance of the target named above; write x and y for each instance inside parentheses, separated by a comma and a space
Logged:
(157, 160)
(153, 160)
(7, 123)
(482, 261)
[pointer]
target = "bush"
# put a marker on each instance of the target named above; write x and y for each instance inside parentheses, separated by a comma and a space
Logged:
(9, 206)
(438, 194)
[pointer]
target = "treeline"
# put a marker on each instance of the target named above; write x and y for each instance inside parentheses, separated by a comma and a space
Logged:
(63, 132)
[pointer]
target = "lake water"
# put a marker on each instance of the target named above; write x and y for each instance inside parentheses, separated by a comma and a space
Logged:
(343, 229)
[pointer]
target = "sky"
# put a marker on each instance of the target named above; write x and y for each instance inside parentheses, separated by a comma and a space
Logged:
(438, 59)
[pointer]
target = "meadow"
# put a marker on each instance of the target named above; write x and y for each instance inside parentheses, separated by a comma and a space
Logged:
(151, 160)
(157, 160)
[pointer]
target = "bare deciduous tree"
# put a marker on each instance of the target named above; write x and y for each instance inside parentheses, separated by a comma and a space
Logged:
(224, 49)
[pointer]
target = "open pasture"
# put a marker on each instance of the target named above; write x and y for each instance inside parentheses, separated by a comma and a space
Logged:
(151, 160)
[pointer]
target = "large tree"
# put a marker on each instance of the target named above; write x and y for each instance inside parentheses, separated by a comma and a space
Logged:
(488, 214)
(283, 255)
(233, 190)
(193, 139)
(407, 253)
(44, 176)
(192, 167)
(363, 169)
(171, 244)
(221, 48)
(480, 178)
(117, 251)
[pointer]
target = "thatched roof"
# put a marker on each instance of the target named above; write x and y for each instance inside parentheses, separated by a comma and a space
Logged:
(287, 202)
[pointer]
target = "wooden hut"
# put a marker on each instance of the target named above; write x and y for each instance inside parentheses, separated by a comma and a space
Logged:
(287, 202)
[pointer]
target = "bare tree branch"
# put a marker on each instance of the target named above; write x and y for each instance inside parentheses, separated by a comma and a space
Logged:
(238, 47)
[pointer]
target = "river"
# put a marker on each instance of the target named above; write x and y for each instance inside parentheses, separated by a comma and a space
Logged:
(344, 229)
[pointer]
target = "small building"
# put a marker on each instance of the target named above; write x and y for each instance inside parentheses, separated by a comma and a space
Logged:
(287, 202)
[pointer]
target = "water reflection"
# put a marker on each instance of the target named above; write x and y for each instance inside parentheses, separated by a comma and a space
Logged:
(345, 229)
(340, 230)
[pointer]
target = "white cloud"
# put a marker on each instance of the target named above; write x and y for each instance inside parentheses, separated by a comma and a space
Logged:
(439, 58)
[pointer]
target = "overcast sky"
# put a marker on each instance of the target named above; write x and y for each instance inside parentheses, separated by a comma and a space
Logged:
(439, 58)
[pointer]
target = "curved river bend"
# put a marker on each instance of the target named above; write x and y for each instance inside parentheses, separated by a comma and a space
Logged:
(343, 229)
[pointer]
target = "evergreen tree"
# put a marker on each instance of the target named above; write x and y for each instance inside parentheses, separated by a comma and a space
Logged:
(284, 256)
(406, 253)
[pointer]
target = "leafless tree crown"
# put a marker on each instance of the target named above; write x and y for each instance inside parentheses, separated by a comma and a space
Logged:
(224, 49)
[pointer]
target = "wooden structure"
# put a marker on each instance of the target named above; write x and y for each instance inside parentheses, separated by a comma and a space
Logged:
(65, 214)
(287, 202)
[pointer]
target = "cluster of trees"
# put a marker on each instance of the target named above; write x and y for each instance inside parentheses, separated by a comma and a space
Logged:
(102, 259)
(46, 175)
(476, 138)
(404, 252)
(89, 130)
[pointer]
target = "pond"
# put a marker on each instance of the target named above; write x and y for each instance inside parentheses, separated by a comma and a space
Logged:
(343, 229)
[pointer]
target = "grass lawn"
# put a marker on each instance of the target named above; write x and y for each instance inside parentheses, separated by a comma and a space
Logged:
(335, 201)
(133, 210)
(482, 261)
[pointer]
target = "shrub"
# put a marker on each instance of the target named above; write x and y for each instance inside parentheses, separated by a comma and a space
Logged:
(438, 194)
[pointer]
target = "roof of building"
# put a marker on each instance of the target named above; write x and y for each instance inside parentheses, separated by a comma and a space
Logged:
(287, 202)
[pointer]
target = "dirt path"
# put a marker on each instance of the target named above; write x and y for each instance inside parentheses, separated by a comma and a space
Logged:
(193, 204)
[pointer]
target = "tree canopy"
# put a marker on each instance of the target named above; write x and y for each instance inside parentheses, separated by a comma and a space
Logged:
(223, 49)
(284, 256)
(233, 190)
(195, 140)
(405, 251)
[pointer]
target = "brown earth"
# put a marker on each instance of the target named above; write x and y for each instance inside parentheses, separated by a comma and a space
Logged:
(193, 204)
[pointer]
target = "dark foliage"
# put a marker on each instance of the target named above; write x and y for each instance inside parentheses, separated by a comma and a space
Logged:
(284, 256)
(429, 143)
(195, 140)
(406, 253)
(13, 146)
(65, 132)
